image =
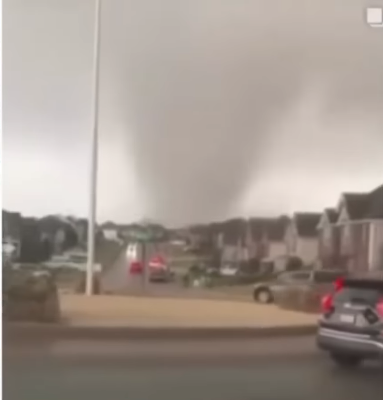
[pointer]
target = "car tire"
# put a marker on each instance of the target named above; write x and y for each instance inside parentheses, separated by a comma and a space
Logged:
(346, 361)
(263, 296)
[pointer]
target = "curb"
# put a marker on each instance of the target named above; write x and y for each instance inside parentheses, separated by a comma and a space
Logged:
(34, 333)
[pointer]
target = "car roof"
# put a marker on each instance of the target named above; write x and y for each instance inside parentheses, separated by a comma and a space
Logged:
(333, 271)
(367, 283)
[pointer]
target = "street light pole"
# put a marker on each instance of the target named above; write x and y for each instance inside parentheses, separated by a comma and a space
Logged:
(94, 151)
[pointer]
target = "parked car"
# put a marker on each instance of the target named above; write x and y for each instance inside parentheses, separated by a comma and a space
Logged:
(265, 291)
(351, 328)
(160, 275)
(159, 270)
(229, 270)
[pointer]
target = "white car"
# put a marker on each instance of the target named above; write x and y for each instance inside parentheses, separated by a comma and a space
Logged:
(229, 270)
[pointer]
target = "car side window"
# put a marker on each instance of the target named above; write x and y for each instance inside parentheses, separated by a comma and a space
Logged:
(284, 278)
(326, 276)
(300, 276)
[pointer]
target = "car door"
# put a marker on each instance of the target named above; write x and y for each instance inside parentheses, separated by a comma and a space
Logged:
(282, 281)
(299, 278)
(292, 279)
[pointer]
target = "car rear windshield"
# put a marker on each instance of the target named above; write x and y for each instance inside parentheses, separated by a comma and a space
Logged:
(327, 276)
(360, 293)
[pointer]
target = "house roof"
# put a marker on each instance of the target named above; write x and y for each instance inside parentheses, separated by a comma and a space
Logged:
(234, 230)
(275, 229)
(109, 225)
(256, 226)
(376, 203)
(365, 205)
(328, 216)
(356, 205)
(306, 223)
(332, 214)
(272, 228)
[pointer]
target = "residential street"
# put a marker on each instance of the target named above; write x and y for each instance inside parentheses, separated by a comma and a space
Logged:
(226, 370)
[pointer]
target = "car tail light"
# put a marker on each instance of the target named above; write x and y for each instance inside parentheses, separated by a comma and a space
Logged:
(327, 303)
(379, 308)
(339, 284)
(135, 267)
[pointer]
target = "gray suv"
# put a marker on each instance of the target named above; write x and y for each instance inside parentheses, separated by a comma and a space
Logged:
(351, 328)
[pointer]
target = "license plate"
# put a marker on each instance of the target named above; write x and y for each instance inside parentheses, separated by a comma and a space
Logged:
(346, 318)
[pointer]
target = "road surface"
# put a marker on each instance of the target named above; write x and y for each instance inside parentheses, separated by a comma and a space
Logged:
(226, 370)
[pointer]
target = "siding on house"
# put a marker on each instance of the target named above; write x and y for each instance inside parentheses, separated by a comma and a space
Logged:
(265, 237)
(291, 239)
(353, 236)
(12, 226)
(230, 238)
(329, 239)
(326, 238)
(375, 251)
(361, 232)
(232, 254)
(307, 249)
(110, 234)
(275, 233)
(301, 238)
(356, 245)
(276, 249)
(255, 239)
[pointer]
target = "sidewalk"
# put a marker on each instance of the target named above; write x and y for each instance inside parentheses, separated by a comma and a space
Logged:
(155, 312)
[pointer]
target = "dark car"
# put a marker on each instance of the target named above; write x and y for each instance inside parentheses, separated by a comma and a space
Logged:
(351, 328)
(163, 275)
(264, 291)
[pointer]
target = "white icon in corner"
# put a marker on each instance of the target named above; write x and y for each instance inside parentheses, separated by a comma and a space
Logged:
(374, 17)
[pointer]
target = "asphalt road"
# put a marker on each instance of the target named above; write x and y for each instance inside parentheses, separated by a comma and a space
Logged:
(226, 370)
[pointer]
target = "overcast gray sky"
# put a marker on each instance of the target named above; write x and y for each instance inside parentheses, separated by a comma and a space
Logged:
(208, 108)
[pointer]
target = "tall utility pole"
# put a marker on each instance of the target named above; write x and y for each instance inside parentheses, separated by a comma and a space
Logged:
(94, 151)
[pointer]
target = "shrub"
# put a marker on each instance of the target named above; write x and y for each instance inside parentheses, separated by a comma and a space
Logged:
(30, 296)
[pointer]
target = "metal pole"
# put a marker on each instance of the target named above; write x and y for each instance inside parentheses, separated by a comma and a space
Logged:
(94, 151)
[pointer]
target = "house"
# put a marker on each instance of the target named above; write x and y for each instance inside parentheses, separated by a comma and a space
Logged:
(301, 237)
(81, 226)
(11, 225)
(11, 233)
(265, 237)
(59, 231)
(111, 231)
(232, 241)
(360, 224)
(329, 239)
(119, 232)
(274, 237)
(253, 238)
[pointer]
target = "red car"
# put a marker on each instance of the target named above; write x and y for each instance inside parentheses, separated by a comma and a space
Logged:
(159, 270)
(136, 268)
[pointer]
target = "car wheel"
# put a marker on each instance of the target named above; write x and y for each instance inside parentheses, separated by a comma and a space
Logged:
(346, 360)
(263, 296)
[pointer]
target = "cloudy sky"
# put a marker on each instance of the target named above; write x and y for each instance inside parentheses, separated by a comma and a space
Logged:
(208, 108)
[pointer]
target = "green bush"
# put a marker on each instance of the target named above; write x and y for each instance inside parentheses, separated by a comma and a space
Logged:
(30, 296)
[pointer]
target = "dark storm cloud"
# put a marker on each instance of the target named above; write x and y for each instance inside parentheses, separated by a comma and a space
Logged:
(199, 86)
(207, 80)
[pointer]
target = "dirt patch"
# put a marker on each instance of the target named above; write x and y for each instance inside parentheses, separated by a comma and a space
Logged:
(144, 311)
